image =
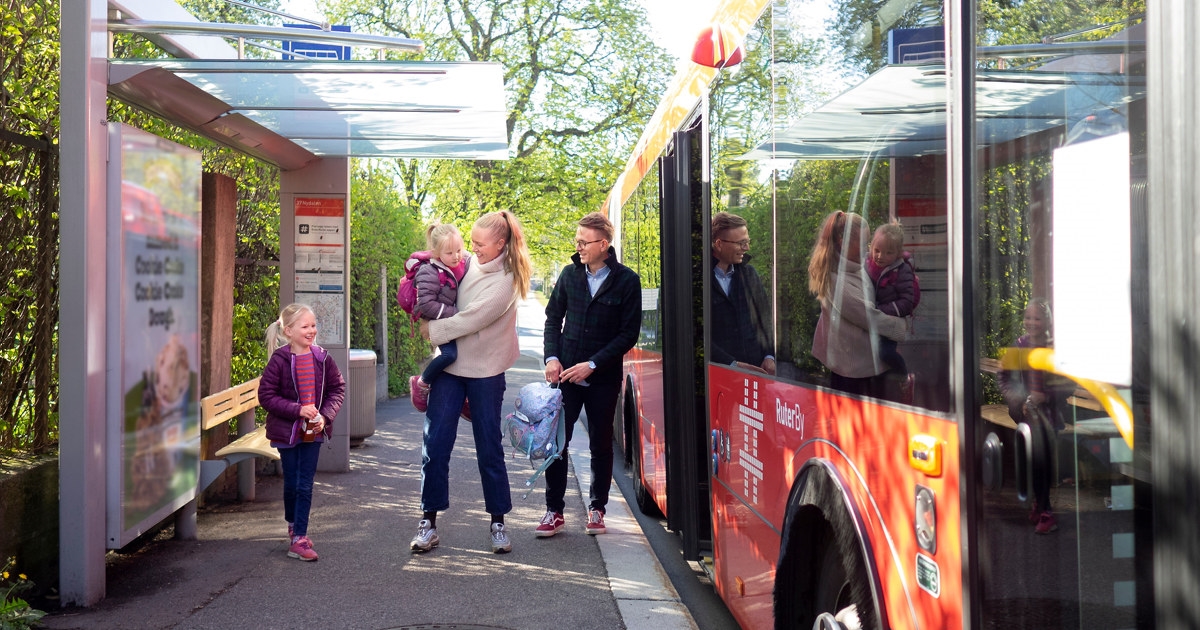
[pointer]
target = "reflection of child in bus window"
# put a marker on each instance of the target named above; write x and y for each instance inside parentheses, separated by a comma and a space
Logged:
(1037, 399)
(894, 279)
(848, 332)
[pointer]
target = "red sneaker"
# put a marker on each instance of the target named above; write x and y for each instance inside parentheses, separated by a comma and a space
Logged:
(551, 524)
(420, 393)
(1046, 523)
(595, 524)
(302, 549)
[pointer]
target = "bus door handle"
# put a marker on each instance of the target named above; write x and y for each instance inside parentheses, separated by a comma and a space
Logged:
(992, 462)
(1023, 460)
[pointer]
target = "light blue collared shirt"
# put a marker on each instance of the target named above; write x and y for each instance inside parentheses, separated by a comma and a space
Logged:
(724, 278)
(596, 279)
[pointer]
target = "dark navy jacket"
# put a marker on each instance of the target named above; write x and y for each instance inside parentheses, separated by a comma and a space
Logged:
(601, 328)
(278, 394)
(741, 321)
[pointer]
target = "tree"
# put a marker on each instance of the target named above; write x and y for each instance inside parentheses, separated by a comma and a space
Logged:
(28, 224)
(581, 77)
(384, 231)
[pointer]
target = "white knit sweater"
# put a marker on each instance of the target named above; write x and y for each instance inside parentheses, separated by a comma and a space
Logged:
(485, 327)
(847, 335)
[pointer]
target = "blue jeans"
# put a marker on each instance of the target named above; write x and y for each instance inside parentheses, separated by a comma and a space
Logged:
(448, 353)
(486, 396)
(299, 468)
(600, 402)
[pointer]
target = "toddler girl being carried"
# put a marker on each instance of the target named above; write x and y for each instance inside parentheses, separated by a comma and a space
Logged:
(436, 280)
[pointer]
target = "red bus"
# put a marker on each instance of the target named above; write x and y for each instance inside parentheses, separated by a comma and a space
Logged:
(1001, 472)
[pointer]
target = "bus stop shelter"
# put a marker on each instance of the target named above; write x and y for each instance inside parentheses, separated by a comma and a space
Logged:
(306, 116)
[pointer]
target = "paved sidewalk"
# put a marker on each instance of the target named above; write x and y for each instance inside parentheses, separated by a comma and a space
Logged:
(238, 574)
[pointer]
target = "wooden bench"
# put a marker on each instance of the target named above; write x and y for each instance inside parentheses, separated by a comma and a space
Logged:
(998, 414)
(236, 402)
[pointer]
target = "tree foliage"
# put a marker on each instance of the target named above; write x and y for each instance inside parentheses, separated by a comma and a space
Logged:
(581, 78)
(28, 224)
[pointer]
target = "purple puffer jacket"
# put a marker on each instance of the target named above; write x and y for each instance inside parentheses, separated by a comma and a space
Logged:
(894, 292)
(437, 288)
(278, 394)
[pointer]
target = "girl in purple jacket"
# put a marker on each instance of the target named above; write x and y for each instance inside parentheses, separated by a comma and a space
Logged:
(302, 390)
(437, 281)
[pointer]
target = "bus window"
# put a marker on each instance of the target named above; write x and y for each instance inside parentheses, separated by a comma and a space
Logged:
(641, 250)
(799, 134)
(1059, 185)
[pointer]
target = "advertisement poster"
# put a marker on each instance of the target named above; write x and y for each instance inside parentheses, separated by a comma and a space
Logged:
(321, 264)
(153, 298)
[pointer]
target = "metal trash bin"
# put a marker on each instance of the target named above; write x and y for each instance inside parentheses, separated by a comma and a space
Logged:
(361, 387)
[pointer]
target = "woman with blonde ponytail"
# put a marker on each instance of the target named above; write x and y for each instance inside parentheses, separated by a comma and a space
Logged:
(847, 336)
(485, 329)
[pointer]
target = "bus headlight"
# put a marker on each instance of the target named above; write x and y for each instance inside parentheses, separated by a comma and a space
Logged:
(925, 517)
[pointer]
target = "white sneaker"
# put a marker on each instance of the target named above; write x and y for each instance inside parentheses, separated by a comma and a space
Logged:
(500, 543)
(426, 538)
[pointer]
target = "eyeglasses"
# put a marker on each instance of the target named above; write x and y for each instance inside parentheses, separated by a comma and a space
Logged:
(744, 243)
(582, 244)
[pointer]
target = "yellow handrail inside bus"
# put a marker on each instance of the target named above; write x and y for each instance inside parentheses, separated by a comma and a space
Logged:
(1105, 394)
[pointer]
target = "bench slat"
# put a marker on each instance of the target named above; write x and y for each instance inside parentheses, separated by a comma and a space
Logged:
(228, 404)
(997, 414)
(254, 443)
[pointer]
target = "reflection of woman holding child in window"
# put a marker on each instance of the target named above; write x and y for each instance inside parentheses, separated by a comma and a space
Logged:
(847, 337)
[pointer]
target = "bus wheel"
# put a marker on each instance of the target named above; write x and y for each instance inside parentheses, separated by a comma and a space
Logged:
(821, 567)
(645, 501)
(628, 423)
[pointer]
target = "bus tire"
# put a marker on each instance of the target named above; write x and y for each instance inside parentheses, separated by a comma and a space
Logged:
(821, 566)
(643, 498)
(628, 422)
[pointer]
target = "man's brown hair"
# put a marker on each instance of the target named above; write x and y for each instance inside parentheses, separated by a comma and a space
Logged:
(600, 223)
(724, 221)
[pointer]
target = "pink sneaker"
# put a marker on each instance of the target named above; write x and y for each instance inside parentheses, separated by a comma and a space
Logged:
(302, 549)
(420, 393)
(1046, 523)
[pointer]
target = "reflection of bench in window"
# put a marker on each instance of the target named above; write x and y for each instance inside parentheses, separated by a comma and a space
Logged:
(236, 402)
(998, 414)
(1097, 428)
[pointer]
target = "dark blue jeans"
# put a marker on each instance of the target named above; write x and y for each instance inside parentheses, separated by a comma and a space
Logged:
(448, 353)
(299, 468)
(486, 396)
(599, 399)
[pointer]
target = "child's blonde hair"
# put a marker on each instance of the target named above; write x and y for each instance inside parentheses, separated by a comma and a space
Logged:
(276, 338)
(893, 232)
(436, 235)
(835, 231)
(504, 225)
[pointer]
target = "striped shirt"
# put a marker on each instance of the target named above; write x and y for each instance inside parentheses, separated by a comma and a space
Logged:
(306, 378)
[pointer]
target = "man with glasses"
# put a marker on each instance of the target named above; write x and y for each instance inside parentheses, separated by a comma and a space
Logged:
(592, 320)
(740, 313)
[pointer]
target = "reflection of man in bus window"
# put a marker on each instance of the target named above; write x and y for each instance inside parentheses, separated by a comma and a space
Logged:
(740, 312)
(848, 333)
(1038, 399)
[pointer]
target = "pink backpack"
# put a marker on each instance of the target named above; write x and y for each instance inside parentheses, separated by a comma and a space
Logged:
(406, 295)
